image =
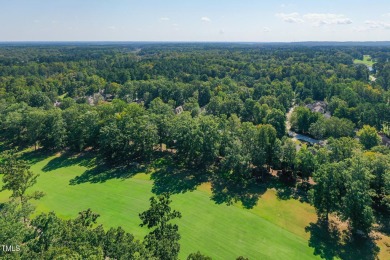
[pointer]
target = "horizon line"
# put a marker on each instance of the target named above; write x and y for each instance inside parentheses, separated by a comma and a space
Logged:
(178, 41)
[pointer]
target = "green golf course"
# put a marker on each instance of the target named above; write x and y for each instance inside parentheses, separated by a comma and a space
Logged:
(272, 229)
(367, 60)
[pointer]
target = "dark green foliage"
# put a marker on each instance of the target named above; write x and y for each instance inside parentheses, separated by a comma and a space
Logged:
(342, 148)
(305, 162)
(192, 106)
(277, 119)
(204, 95)
(345, 189)
(54, 133)
(384, 76)
(332, 127)
(118, 244)
(38, 99)
(161, 115)
(288, 153)
(226, 104)
(357, 200)
(329, 189)
(162, 241)
(82, 126)
(17, 178)
(12, 226)
(302, 118)
(237, 159)
(131, 135)
(266, 146)
(120, 103)
(379, 165)
(197, 140)
(198, 256)
(79, 238)
(49, 237)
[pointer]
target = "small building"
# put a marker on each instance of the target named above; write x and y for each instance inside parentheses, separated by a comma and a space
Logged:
(57, 103)
(318, 106)
(90, 100)
(109, 97)
(179, 110)
(385, 139)
(95, 98)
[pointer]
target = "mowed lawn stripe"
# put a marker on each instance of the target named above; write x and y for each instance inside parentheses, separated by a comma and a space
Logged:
(221, 231)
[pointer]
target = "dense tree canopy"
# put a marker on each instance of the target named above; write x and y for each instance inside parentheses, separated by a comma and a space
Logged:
(215, 108)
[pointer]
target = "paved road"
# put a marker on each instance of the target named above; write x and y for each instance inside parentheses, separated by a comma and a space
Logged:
(294, 135)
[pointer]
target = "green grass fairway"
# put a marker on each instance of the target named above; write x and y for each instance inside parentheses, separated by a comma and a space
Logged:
(274, 229)
(367, 60)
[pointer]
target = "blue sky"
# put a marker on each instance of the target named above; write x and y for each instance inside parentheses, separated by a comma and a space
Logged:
(201, 20)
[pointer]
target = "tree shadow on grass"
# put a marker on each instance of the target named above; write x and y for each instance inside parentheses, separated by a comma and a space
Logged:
(34, 157)
(97, 171)
(230, 190)
(248, 190)
(102, 173)
(171, 179)
(329, 243)
(289, 188)
(383, 220)
(86, 159)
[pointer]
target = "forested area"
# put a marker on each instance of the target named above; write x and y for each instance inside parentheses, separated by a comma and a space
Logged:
(214, 108)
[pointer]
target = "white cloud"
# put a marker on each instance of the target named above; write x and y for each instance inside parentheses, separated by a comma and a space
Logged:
(371, 25)
(266, 29)
(290, 18)
(112, 27)
(222, 31)
(377, 25)
(318, 19)
(165, 19)
(386, 15)
(205, 19)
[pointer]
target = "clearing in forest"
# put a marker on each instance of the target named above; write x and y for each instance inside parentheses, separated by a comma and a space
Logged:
(367, 60)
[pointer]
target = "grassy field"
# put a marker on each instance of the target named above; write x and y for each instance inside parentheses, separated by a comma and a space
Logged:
(367, 60)
(273, 229)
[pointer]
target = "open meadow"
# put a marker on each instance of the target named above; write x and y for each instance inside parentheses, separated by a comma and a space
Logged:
(272, 229)
(367, 60)
(277, 227)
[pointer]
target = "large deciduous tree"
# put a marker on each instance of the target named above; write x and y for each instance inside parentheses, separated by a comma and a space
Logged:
(302, 118)
(329, 188)
(305, 162)
(288, 153)
(357, 201)
(162, 241)
(277, 119)
(368, 136)
(130, 135)
(17, 178)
